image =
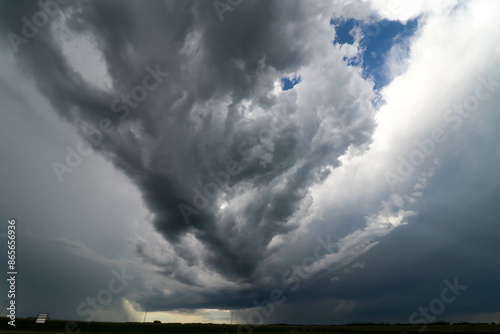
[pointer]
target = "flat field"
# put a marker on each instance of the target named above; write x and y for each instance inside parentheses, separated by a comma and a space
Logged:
(24, 326)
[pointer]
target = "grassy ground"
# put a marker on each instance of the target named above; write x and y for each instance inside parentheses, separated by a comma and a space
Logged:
(24, 326)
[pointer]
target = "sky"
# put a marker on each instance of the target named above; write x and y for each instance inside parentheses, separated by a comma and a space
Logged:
(313, 162)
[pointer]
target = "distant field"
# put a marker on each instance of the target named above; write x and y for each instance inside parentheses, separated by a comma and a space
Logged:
(24, 326)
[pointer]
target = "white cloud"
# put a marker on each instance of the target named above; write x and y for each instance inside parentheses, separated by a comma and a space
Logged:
(437, 75)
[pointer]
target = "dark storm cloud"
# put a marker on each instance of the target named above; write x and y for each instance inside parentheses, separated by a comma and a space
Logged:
(195, 122)
(453, 236)
(218, 108)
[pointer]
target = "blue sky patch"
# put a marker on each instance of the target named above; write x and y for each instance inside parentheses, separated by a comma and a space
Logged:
(343, 31)
(377, 38)
(288, 83)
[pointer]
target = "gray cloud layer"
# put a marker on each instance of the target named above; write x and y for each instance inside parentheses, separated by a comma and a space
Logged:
(180, 137)
(219, 108)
